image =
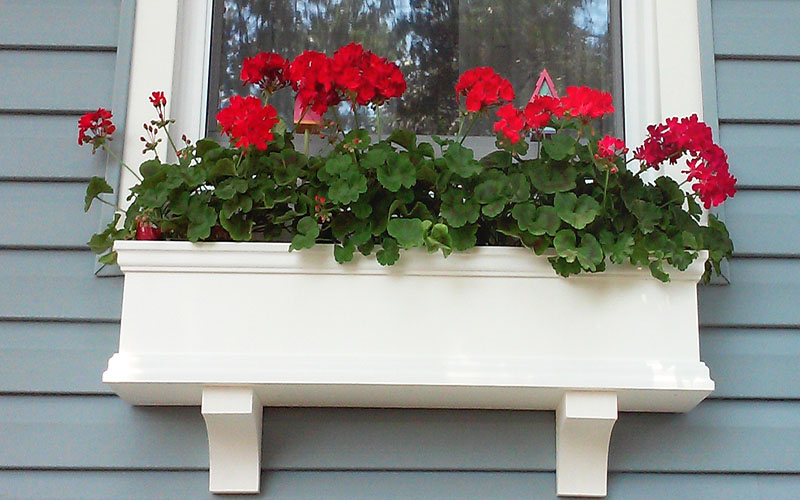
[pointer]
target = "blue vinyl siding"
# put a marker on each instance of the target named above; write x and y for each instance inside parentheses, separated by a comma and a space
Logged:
(64, 435)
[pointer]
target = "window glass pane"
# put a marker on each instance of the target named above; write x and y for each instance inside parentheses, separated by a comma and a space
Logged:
(433, 41)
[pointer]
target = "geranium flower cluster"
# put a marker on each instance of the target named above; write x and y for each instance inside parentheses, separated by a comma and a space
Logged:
(483, 88)
(95, 128)
(582, 103)
(352, 74)
(248, 122)
(267, 70)
(708, 163)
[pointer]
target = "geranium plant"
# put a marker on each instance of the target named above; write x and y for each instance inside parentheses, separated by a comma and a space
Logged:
(582, 200)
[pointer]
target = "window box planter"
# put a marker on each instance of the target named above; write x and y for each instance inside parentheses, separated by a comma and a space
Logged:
(236, 326)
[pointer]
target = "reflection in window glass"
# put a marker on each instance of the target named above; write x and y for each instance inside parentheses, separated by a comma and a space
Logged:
(433, 42)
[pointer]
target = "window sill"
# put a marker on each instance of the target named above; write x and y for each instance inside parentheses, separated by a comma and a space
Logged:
(236, 326)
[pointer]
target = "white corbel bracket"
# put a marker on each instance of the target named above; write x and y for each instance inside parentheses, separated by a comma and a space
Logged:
(233, 418)
(584, 421)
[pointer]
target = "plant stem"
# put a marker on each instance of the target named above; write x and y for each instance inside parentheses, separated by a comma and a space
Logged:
(378, 119)
(355, 115)
(305, 142)
(605, 187)
(469, 129)
(119, 160)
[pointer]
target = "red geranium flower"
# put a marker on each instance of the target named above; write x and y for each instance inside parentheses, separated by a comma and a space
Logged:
(484, 88)
(312, 76)
(248, 121)
(157, 99)
(267, 70)
(95, 128)
(365, 77)
(610, 147)
(587, 103)
(708, 163)
(511, 124)
(539, 111)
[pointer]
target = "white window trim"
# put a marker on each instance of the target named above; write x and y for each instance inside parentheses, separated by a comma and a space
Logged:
(660, 51)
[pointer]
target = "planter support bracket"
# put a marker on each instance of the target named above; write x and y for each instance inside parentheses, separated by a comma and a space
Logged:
(584, 421)
(233, 418)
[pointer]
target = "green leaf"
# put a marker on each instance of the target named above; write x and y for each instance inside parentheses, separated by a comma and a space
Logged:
(362, 208)
(109, 259)
(397, 172)
(345, 181)
(426, 149)
(458, 209)
(524, 214)
(96, 187)
(103, 241)
(201, 219)
(367, 247)
(203, 146)
(672, 191)
(150, 168)
(559, 146)
(617, 248)
(389, 253)
(223, 167)
(657, 270)
(358, 139)
(547, 222)
(307, 232)
(376, 157)
(345, 253)
(550, 179)
(438, 237)
(577, 212)
(648, 214)
(459, 160)
(491, 194)
(242, 203)
(404, 138)
(565, 244)
(230, 187)
(237, 226)
(409, 233)
(590, 254)
(695, 210)
(519, 187)
(464, 237)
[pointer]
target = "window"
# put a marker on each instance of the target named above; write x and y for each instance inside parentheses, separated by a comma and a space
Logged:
(660, 65)
(433, 41)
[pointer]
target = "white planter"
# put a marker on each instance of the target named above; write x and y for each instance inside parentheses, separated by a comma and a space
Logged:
(241, 325)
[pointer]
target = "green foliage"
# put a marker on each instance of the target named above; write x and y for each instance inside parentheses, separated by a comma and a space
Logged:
(381, 198)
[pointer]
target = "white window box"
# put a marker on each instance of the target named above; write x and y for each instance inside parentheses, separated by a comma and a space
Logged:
(236, 326)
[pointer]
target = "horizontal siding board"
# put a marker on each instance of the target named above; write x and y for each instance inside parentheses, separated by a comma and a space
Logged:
(764, 222)
(355, 485)
(718, 436)
(53, 357)
(763, 155)
(45, 147)
(46, 214)
(756, 363)
(55, 80)
(758, 90)
(756, 27)
(762, 293)
(56, 284)
(59, 22)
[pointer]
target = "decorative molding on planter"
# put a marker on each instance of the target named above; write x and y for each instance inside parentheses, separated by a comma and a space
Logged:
(490, 328)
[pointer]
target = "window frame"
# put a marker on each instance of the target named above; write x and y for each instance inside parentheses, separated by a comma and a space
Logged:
(661, 67)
